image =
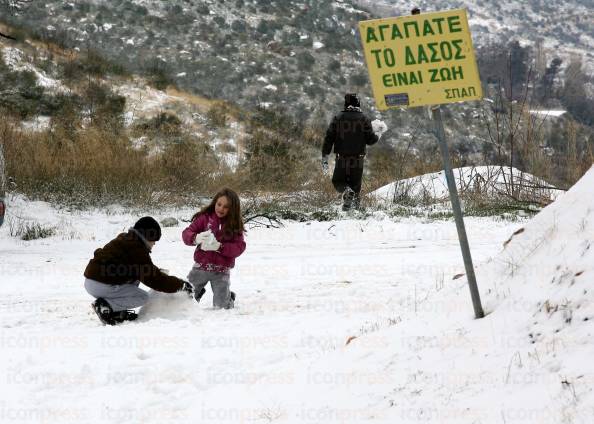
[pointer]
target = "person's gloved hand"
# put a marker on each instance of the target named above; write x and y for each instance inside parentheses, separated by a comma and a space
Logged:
(325, 164)
(201, 237)
(188, 289)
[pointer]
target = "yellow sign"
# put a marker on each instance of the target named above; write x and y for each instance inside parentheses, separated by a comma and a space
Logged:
(421, 59)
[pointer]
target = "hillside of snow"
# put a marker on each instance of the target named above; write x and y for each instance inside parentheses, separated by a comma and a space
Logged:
(143, 103)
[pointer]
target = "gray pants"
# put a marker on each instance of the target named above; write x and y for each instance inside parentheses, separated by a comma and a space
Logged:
(219, 283)
(120, 297)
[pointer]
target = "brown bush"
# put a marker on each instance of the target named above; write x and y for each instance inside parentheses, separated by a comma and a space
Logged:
(94, 166)
(186, 166)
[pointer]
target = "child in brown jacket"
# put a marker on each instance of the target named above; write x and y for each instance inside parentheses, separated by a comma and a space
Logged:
(114, 274)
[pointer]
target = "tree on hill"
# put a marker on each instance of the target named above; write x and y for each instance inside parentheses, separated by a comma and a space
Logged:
(506, 65)
(574, 94)
(546, 84)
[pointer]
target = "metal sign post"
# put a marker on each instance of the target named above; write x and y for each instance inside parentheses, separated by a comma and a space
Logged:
(426, 59)
(449, 174)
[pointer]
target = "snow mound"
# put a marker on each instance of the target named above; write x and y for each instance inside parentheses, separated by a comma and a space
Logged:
(488, 180)
(540, 287)
(546, 269)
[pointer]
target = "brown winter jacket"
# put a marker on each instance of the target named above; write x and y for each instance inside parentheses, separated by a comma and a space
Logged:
(126, 259)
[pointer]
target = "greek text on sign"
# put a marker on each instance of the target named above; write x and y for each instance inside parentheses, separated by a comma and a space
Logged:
(421, 59)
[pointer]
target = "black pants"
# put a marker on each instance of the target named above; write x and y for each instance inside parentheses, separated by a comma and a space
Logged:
(348, 172)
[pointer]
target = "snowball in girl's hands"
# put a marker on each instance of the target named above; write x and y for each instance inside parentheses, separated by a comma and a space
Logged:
(202, 237)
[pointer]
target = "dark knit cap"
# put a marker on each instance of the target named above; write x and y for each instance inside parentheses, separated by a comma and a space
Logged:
(149, 228)
(351, 99)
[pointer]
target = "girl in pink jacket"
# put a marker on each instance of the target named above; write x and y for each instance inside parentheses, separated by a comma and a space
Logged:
(217, 232)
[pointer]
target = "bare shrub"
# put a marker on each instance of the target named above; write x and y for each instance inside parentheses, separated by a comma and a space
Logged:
(30, 230)
(95, 166)
(217, 115)
(165, 125)
(187, 166)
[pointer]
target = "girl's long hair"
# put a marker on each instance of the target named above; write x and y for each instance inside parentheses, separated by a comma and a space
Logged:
(233, 220)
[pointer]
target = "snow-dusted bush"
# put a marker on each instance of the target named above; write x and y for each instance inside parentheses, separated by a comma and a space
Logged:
(30, 230)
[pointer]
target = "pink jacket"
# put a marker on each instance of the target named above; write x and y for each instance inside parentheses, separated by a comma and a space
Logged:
(221, 260)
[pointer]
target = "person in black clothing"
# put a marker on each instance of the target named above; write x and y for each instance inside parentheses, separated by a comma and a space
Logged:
(349, 133)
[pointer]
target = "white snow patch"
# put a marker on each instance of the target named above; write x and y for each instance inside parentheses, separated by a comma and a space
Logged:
(128, 118)
(39, 123)
(139, 143)
(143, 99)
(15, 59)
(547, 113)
(231, 160)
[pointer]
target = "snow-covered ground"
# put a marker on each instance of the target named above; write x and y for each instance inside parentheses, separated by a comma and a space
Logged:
(336, 322)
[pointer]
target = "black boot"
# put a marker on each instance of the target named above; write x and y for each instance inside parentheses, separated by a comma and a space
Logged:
(231, 304)
(122, 316)
(103, 311)
(356, 204)
(347, 199)
(198, 295)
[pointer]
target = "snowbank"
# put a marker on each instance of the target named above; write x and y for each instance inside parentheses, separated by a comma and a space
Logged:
(540, 289)
(488, 180)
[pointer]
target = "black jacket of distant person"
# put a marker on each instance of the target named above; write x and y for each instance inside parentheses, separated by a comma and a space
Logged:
(350, 132)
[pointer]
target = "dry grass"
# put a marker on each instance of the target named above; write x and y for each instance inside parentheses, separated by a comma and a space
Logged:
(93, 166)
(192, 99)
